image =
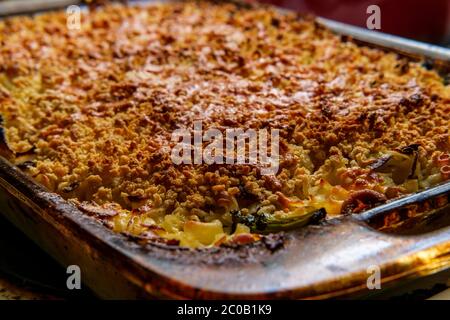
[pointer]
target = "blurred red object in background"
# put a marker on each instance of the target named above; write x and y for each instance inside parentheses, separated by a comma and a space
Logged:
(417, 19)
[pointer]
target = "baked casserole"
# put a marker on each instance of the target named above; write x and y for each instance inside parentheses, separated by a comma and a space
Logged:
(89, 113)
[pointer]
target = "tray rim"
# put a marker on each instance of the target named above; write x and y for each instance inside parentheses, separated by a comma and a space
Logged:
(61, 214)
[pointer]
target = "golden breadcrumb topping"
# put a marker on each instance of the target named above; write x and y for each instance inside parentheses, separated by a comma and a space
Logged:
(89, 113)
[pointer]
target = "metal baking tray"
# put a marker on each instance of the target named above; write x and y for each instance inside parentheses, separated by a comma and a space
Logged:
(333, 259)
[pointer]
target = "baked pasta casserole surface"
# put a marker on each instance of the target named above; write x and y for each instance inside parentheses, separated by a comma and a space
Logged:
(89, 114)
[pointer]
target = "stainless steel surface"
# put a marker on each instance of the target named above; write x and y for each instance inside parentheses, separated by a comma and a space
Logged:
(315, 262)
(14, 7)
(427, 194)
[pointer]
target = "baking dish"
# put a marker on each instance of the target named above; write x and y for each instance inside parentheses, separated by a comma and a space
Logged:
(309, 263)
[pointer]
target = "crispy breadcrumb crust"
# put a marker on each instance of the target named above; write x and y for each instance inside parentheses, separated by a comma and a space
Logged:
(92, 112)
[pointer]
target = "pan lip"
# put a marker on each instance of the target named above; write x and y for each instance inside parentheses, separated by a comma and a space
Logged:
(121, 243)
